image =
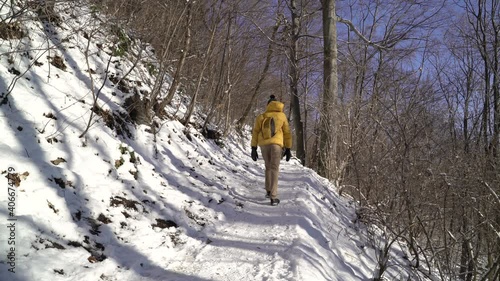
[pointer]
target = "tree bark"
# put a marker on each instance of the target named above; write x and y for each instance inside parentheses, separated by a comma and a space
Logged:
(219, 88)
(177, 76)
(190, 109)
(294, 84)
(327, 132)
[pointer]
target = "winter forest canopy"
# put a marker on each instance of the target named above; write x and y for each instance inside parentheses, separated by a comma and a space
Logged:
(405, 119)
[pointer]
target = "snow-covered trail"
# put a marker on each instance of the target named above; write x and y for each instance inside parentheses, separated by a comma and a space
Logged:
(303, 238)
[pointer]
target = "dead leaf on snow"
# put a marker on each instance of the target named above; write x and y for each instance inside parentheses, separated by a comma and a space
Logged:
(58, 161)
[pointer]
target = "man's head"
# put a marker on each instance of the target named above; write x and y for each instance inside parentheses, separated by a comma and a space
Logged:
(271, 98)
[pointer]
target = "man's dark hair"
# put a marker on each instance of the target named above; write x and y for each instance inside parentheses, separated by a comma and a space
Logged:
(271, 98)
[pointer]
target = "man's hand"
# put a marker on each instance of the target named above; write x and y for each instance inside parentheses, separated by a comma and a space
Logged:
(288, 154)
(254, 153)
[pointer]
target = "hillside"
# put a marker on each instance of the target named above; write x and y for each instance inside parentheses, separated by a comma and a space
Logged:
(121, 203)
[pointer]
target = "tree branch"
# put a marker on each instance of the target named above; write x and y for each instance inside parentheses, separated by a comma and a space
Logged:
(360, 35)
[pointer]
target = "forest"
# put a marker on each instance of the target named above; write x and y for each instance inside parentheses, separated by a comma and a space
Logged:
(397, 102)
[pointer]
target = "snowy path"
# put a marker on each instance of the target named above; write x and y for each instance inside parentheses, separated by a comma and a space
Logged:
(263, 242)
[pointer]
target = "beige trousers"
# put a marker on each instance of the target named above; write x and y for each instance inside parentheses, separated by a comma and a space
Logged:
(272, 157)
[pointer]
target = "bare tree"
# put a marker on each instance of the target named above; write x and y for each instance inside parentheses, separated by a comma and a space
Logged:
(483, 17)
(327, 163)
(256, 90)
(174, 86)
(206, 60)
(294, 80)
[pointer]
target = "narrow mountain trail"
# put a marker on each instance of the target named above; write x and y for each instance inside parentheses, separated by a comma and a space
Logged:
(285, 242)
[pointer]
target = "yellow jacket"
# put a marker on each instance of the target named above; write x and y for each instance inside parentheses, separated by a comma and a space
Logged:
(282, 137)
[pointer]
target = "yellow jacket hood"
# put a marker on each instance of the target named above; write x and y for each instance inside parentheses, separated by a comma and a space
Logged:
(275, 106)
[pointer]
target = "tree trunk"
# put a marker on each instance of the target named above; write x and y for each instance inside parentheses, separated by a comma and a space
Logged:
(496, 82)
(294, 84)
(190, 109)
(327, 131)
(218, 98)
(263, 74)
(176, 80)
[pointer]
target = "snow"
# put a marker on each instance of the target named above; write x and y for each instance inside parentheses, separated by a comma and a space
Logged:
(180, 208)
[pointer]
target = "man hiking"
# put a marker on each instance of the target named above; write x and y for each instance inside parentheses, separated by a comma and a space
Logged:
(272, 133)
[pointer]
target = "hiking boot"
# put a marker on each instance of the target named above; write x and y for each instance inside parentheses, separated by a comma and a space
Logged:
(275, 202)
(268, 194)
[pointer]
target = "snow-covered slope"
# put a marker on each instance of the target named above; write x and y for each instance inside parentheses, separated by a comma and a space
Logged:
(178, 207)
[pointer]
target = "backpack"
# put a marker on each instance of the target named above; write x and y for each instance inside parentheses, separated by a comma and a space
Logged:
(268, 127)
